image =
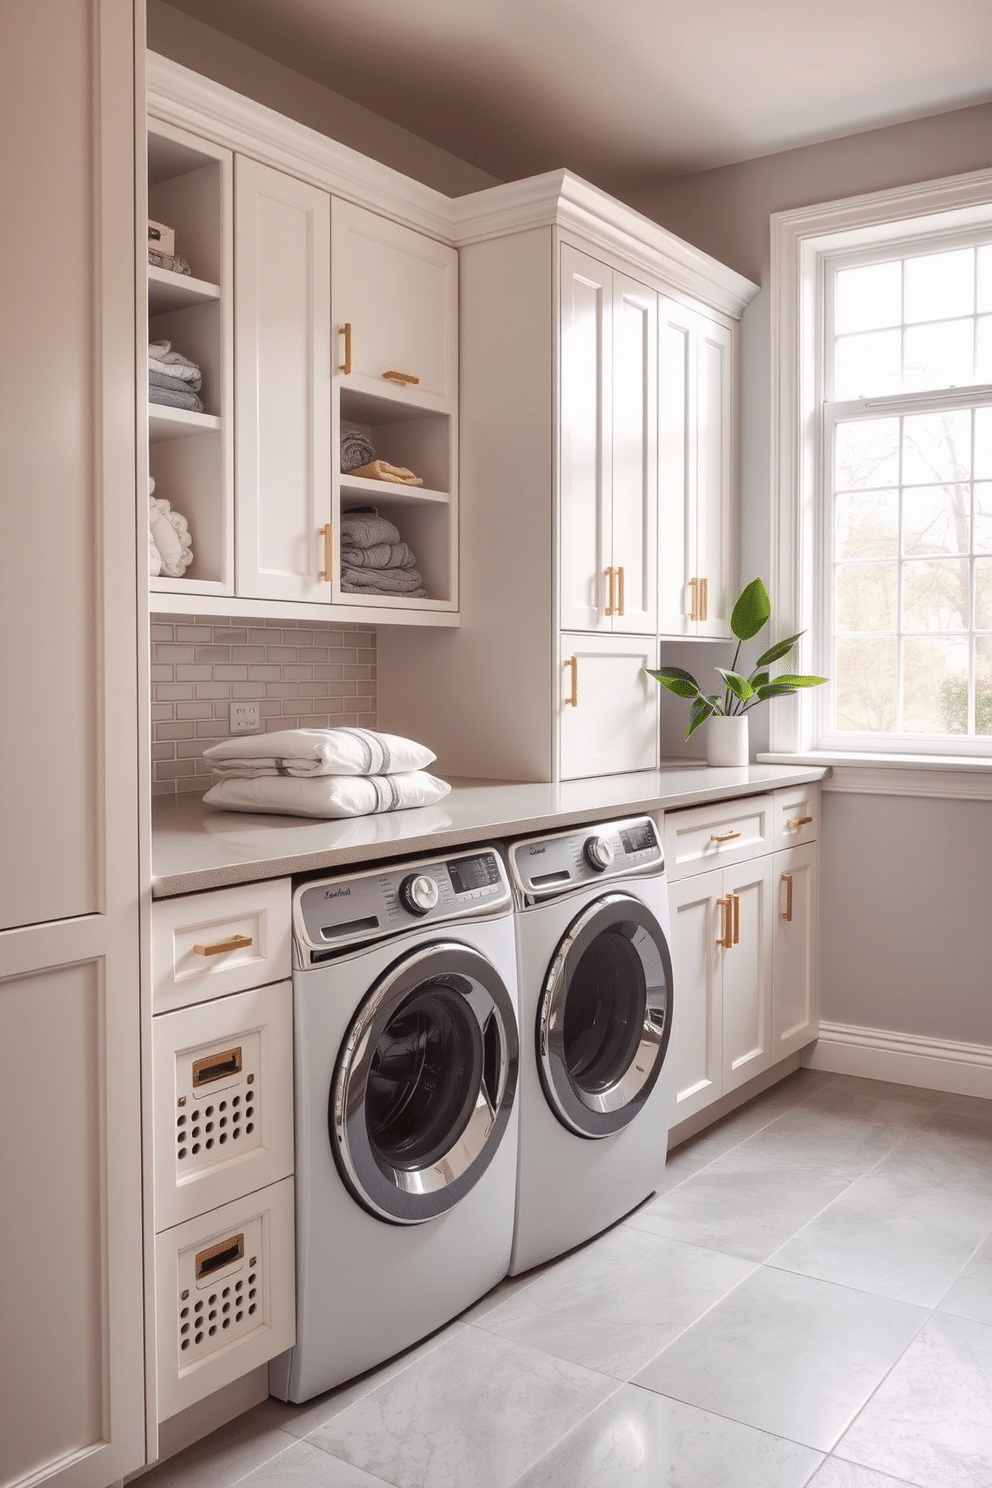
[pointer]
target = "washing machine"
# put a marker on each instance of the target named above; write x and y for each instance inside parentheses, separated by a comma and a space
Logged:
(406, 1062)
(594, 974)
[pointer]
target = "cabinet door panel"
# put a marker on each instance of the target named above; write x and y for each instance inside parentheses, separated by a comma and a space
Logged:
(714, 504)
(398, 290)
(696, 1027)
(613, 725)
(676, 465)
(747, 974)
(795, 887)
(584, 441)
(635, 442)
(282, 359)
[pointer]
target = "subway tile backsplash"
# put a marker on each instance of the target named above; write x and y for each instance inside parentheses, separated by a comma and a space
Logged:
(304, 675)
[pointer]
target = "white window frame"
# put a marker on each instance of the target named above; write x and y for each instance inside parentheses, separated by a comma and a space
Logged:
(801, 241)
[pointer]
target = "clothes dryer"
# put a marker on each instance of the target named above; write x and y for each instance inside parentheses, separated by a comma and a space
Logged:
(594, 975)
(406, 1060)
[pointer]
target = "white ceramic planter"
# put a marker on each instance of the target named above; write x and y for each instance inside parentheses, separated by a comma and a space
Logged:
(726, 740)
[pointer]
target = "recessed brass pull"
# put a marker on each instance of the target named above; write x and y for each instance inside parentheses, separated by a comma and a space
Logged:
(345, 331)
(798, 821)
(572, 701)
(610, 608)
(219, 947)
(694, 608)
(619, 591)
(726, 922)
(217, 1067)
(216, 1257)
(406, 378)
(787, 911)
(704, 599)
(326, 532)
(723, 836)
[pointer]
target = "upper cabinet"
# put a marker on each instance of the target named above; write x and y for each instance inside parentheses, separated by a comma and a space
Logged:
(697, 470)
(608, 448)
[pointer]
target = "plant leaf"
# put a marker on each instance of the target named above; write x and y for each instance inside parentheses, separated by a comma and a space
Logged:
(752, 610)
(790, 679)
(773, 689)
(758, 679)
(739, 686)
(780, 649)
(702, 708)
(683, 684)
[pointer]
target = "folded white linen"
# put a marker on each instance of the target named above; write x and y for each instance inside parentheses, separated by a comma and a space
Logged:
(328, 796)
(308, 752)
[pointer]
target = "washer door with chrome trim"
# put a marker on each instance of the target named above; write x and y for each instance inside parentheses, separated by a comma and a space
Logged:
(605, 1015)
(424, 1084)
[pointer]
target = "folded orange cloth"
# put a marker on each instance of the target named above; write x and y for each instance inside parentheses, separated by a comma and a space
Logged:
(382, 470)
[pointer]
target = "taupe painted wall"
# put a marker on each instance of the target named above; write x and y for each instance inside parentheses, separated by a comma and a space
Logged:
(907, 882)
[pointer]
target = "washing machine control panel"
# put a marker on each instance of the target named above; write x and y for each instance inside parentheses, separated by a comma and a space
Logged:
(604, 850)
(336, 913)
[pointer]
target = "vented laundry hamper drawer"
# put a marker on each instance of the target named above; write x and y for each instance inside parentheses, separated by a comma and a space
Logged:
(223, 1100)
(225, 1295)
(207, 945)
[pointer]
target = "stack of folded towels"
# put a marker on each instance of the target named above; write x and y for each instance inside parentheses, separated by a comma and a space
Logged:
(358, 458)
(172, 378)
(322, 772)
(373, 558)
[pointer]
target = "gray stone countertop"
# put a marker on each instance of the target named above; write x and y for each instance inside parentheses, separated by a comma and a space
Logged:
(195, 847)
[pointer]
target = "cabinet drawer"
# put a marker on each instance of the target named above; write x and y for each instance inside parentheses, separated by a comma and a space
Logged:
(703, 837)
(207, 945)
(795, 815)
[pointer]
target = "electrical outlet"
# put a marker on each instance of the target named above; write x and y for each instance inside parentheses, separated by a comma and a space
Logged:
(244, 718)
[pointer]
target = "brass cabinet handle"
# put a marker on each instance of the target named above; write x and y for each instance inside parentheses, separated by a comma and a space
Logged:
(406, 378)
(694, 608)
(726, 922)
(610, 608)
(619, 591)
(572, 701)
(798, 821)
(326, 533)
(219, 947)
(345, 331)
(787, 911)
(704, 599)
(723, 836)
(737, 918)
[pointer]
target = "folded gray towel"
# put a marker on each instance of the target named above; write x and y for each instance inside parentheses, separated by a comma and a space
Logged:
(364, 529)
(177, 384)
(381, 555)
(355, 450)
(173, 399)
(383, 581)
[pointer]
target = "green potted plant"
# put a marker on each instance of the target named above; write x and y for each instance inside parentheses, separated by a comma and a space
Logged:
(727, 742)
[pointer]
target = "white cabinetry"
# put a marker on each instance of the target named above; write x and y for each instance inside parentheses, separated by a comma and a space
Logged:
(696, 471)
(743, 943)
(608, 448)
(609, 709)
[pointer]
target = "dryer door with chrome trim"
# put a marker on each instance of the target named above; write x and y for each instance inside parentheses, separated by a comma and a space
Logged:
(605, 1015)
(424, 1083)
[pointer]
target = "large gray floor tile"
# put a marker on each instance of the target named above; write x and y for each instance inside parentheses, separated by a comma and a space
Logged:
(306, 1466)
(787, 1354)
(930, 1422)
(618, 1301)
(971, 1294)
(837, 1474)
(223, 1457)
(480, 1411)
(636, 1438)
(877, 1100)
(745, 1204)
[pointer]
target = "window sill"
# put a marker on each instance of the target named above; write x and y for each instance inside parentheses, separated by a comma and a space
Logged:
(937, 776)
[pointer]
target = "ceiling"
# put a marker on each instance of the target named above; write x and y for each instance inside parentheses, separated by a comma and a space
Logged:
(626, 92)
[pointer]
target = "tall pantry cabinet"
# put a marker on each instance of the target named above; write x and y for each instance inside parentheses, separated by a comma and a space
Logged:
(71, 1305)
(567, 520)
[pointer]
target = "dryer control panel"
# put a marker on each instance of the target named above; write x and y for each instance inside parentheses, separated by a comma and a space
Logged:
(333, 914)
(543, 866)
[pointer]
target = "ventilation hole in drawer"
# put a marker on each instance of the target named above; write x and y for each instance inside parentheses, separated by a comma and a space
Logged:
(210, 1135)
(220, 1317)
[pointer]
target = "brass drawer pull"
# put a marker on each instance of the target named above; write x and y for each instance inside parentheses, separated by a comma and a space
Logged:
(345, 331)
(694, 607)
(611, 603)
(572, 701)
(406, 379)
(704, 599)
(726, 921)
(723, 836)
(737, 918)
(619, 591)
(220, 947)
(326, 533)
(787, 911)
(798, 821)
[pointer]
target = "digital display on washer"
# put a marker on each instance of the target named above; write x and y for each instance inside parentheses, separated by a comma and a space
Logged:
(468, 874)
(638, 839)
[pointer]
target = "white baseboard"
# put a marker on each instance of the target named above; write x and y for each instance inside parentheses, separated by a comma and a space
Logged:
(902, 1059)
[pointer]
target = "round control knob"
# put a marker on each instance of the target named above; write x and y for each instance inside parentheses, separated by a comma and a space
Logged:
(418, 893)
(598, 853)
